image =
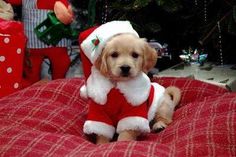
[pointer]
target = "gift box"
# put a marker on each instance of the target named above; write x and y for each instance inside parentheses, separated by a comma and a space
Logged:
(12, 46)
(47, 31)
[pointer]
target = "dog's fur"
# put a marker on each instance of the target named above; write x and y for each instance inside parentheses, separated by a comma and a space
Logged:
(123, 58)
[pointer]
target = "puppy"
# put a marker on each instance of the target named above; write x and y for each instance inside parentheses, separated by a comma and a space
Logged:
(123, 58)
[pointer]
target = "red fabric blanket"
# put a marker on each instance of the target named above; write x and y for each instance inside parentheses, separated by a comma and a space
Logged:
(47, 120)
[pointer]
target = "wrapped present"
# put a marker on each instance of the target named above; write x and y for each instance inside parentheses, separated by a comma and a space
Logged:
(12, 46)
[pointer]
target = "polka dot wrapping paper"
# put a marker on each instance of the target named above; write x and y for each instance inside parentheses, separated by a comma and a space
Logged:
(12, 47)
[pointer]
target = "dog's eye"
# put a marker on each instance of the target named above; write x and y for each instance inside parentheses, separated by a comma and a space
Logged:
(135, 55)
(114, 55)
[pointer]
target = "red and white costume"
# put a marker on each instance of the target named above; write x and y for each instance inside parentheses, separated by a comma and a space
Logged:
(115, 107)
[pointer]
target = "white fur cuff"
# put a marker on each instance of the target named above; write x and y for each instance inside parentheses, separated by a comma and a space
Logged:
(83, 92)
(133, 123)
(99, 128)
(157, 99)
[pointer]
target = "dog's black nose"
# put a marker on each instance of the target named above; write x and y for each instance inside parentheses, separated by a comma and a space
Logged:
(125, 70)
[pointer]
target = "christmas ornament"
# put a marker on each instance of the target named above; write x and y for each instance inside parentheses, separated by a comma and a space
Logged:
(161, 49)
(194, 56)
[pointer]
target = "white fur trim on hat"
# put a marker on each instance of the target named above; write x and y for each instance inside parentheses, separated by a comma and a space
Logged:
(99, 128)
(157, 99)
(133, 123)
(103, 33)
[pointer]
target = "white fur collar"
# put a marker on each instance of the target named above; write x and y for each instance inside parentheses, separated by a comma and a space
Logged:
(98, 86)
(136, 91)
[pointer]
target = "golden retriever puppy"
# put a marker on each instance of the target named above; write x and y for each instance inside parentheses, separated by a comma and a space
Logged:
(123, 58)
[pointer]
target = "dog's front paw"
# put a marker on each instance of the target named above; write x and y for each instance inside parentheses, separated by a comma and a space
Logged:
(159, 126)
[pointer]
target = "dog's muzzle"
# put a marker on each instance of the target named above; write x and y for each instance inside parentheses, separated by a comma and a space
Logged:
(125, 70)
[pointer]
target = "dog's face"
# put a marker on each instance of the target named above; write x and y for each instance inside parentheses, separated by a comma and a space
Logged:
(125, 56)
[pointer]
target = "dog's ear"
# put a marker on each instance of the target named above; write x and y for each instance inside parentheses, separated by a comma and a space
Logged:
(150, 57)
(101, 64)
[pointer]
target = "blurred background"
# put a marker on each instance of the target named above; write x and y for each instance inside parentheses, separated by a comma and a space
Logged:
(206, 25)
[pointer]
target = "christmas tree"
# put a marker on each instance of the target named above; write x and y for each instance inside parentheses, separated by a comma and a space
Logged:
(208, 24)
(202, 24)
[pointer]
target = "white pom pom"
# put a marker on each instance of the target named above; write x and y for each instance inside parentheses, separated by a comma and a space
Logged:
(83, 92)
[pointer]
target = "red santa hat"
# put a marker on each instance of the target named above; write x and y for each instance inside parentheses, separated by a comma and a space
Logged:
(94, 43)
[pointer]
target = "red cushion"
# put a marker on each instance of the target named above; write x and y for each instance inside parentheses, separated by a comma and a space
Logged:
(47, 119)
(192, 90)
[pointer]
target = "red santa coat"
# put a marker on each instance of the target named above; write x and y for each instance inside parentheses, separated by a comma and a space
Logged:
(121, 106)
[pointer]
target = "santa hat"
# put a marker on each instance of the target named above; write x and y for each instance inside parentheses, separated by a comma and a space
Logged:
(93, 44)
(93, 40)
